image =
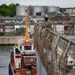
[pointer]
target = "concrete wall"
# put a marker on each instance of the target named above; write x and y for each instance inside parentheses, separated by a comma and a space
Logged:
(4, 40)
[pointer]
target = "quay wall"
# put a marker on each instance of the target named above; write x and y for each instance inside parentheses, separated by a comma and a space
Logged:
(10, 40)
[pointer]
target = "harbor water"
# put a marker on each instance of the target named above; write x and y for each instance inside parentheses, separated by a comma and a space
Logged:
(5, 52)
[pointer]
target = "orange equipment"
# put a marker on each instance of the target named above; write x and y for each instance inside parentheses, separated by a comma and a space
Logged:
(27, 38)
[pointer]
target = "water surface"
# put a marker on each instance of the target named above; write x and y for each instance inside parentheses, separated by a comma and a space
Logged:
(5, 59)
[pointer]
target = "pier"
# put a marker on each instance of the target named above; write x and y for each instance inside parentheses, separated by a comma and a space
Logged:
(56, 52)
(10, 40)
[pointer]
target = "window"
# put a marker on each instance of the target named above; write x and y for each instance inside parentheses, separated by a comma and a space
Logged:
(27, 59)
(34, 47)
(29, 26)
(27, 47)
(38, 13)
(30, 59)
(20, 47)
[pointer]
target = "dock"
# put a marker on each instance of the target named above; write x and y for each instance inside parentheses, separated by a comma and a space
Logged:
(10, 40)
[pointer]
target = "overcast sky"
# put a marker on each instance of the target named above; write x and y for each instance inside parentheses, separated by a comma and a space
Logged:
(60, 3)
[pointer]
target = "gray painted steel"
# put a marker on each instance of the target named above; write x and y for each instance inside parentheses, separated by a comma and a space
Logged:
(20, 10)
(37, 9)
(52, 9)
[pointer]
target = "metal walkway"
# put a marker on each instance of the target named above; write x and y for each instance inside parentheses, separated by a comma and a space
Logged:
(56, 52)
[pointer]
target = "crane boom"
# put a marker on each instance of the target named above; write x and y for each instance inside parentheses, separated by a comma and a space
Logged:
(27, 37)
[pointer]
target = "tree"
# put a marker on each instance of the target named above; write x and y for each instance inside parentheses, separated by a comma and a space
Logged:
(3, 6)
(5, 12)
(62, 10)
(9, 10)
(20, 31)
(17, 4)
(12, 7)
(1, 33)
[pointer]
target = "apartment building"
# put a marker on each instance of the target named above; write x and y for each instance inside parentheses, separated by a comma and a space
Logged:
(71, 11)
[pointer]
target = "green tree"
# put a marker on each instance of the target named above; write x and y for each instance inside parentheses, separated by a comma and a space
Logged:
(17, 4)
(3, 6)
(1, 33)
(12, 7)
(62, 10)
(9, 10)
(5, 12)
(20, 31)
(12, 33)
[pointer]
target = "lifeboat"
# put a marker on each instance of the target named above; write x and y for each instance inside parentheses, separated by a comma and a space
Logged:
(23, 57)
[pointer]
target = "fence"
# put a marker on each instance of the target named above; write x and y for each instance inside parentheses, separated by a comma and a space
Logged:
(55, 51)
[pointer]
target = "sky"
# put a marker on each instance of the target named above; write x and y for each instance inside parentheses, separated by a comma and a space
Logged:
(60, 3)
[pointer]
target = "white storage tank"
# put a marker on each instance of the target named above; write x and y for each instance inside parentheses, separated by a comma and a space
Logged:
(20, 10)
(36, 10)
(52, 9)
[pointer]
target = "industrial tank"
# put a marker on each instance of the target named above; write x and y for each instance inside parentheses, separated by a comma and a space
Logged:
(52, 9)
(20, 10)
(36, 10)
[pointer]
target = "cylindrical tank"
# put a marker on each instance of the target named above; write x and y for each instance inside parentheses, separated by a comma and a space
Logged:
(20, 10)
(52, 9)
(36, 10)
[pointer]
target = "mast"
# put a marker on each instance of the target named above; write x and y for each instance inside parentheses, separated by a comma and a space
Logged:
(27, 37)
